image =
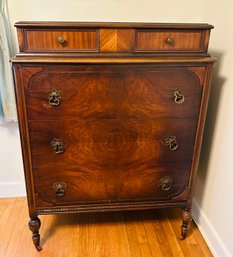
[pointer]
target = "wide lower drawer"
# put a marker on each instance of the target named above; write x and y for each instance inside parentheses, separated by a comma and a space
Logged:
(83, 184)
(112, 91)
(111, 142)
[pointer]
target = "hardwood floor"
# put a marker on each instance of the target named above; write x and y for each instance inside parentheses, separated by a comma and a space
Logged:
(153, 233)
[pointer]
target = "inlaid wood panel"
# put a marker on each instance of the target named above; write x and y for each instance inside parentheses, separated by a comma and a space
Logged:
(48, 40)
(111, 92)
(117, 40)
(89, 183)
(148, 40)
(111, 143)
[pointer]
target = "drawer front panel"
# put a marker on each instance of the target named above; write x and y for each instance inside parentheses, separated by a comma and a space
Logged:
(74, 185)
(170, 41)
(112, 92)
(61, 40)
(111, 142)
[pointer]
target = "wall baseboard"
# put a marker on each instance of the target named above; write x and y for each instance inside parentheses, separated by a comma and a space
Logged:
(213, 240)
(209, 233)
(14, 189)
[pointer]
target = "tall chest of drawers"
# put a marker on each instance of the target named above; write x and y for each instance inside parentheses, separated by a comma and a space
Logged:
(111, 115)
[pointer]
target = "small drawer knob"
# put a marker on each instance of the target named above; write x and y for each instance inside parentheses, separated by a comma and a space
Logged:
(59, 188)
(172, 143)
(165, 183)
(57, 146)
(61, 40)
(54, 97)
(170, 41)
(178, 96)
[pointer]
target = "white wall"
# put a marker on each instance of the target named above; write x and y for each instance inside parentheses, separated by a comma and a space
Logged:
(213, 206)
(11, 167)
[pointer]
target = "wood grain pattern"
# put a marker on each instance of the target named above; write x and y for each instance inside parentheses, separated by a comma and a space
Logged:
(112, 37)
(88, 184)
(95, 92)
(135, 234)
(47, 40)
(107, 115)
(149, 40)
(111, 142)
(117, 40)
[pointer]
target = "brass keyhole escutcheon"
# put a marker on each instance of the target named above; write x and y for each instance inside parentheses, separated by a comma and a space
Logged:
(54, 97)
(178, 96)
(172, 143)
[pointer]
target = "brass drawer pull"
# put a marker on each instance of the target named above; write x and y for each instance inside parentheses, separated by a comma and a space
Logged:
(178, 96)
(59, 188)
(165, 183)
(170, 41)
(172, 143)
(57, 146)
(61, 40)
(54, 97)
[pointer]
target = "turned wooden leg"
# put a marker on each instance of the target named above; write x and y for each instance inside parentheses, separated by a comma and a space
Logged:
(34, 225)
(186, 218)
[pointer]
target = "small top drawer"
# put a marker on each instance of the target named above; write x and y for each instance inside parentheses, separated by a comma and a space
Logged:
(61, 40)
(166, 41)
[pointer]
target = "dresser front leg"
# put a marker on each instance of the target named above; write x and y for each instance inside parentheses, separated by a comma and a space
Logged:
(186, 218)
(34, 226)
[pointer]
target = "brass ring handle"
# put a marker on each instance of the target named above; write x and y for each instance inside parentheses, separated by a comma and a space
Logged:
(172, 143)
(59, 188)
(54, 97)
(165, 183)
(57, 146)
(178, 96)
(170, 41)
(61, 40)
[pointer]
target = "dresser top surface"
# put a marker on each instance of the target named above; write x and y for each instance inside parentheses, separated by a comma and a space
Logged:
(53, 24)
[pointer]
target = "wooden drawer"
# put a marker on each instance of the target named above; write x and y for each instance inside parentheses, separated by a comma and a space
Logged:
(61, 40)
(83, 184)
(112, 142)
(167, 41)
(110, 92)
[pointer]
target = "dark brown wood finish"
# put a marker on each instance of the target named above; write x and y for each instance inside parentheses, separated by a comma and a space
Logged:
(112, 141)
(95, 92)
(116, 127)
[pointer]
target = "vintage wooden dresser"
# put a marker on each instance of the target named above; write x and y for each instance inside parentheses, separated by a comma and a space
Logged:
(111, 115)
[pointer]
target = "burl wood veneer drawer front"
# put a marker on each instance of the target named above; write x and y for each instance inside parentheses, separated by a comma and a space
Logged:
(110, 92)
(83, 184)
(61, 40)
(111, 142)
(167, 41)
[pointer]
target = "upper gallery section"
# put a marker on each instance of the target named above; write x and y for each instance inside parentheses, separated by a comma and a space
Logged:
(132, 39)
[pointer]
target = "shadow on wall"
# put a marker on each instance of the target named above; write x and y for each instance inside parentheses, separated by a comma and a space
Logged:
(212, 113)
